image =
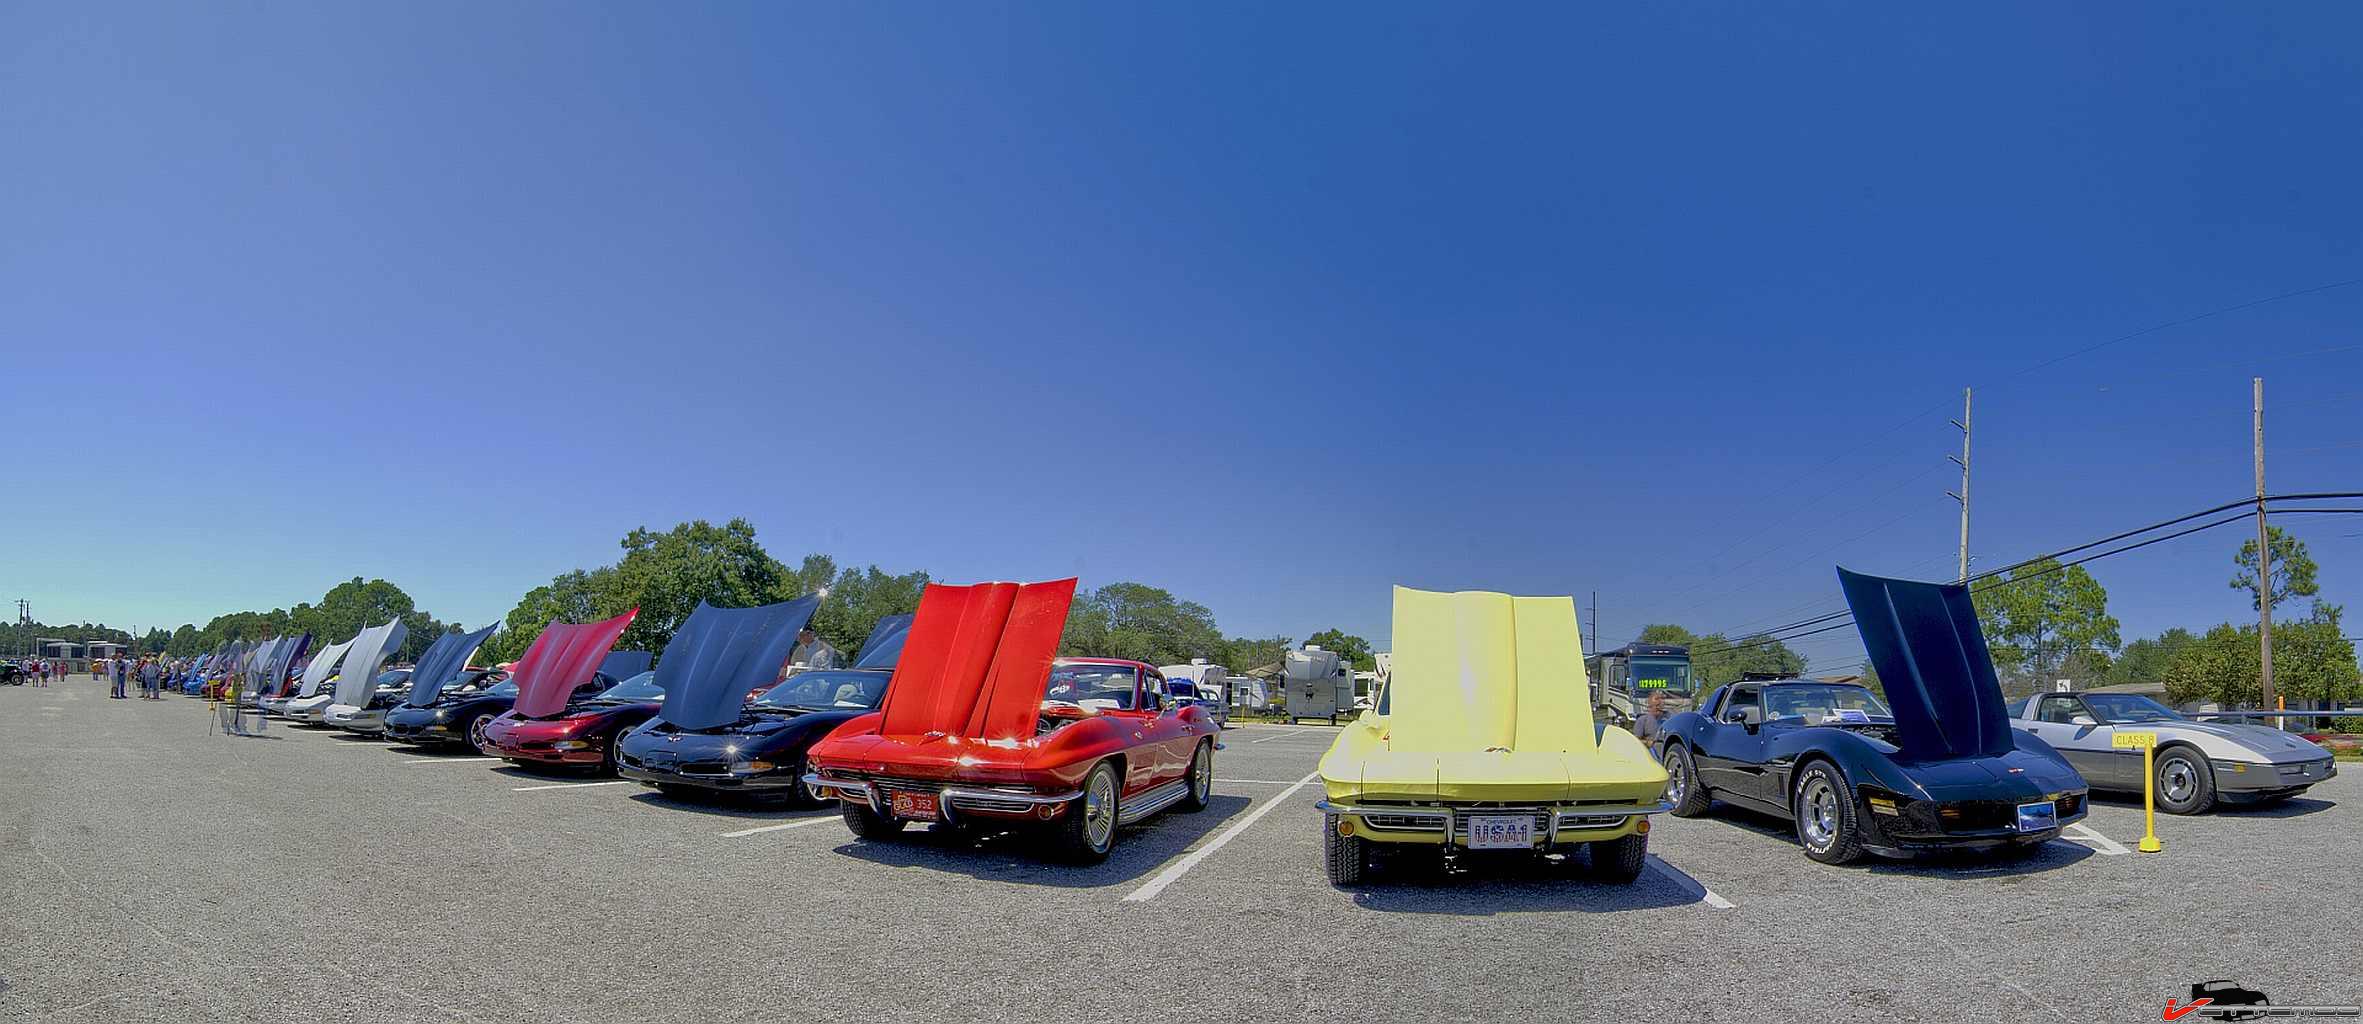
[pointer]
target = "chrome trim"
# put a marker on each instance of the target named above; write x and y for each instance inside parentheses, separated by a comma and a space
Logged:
(1152, 801)
(857, 788)
(1555, 818)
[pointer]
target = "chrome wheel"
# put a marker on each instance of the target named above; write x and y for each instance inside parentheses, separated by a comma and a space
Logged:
(1202, 777)
(476, 733)
(1677, 775)
(1817, 813)
(2177, 780)
(1099, 809)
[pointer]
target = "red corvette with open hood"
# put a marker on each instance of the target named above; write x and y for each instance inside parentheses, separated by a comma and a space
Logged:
(545, 725)
(981, 725)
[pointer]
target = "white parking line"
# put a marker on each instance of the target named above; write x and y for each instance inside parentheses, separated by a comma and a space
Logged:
(798, 823)
(1149, 890)
(1283, 736)
(451, 760)
(2108, 847)
(1667, 872)
(569, 785)
(1256, 782)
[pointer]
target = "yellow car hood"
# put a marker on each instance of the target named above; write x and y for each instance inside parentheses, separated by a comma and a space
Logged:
(1487, 700)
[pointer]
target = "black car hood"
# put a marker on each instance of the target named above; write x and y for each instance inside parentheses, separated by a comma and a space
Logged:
(443, 661)
(755, 733)
(721, 654)
(1933, 663)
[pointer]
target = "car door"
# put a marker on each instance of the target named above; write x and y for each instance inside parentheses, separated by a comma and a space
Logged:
(2062, 720)
(1731, 752)
(1143, 757)
(1175, 743)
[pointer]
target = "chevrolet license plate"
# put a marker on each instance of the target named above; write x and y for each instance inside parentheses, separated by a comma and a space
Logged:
(2040, 817)
(1500, 832)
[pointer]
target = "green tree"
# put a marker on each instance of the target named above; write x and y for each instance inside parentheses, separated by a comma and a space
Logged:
(577, 596)
(1141, 622)
(1665, 633)
(1241, 654)
(1354, 649)
(666, 574)
(1715, 661)
(2036, 615)
(2145, 660)
(2218, 667)
(184, 641)
(2293, 570)
(858, 599)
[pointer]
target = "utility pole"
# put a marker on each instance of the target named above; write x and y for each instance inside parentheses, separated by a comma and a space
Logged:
(1963, 496)
(2264, 554)
(1595, 622)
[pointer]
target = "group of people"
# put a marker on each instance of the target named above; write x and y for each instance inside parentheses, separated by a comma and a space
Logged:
(37, 670)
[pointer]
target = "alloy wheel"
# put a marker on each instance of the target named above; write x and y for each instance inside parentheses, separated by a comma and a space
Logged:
(1817, 813)
(1099, 810)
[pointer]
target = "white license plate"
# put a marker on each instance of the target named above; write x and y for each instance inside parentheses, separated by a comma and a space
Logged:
(1500, 832)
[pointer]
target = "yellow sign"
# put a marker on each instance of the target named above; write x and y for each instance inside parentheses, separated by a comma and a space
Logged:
(2135, 740)
(2147, 743)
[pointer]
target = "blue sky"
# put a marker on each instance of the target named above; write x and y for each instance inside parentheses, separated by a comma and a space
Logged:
(1271, 305)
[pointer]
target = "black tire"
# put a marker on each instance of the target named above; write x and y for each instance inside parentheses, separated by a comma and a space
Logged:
(1682, 786)
(1821, 808)
(476, 733)
(1346, 858)
(1087, 833)
(2182, 771)
(1619, 860)
(1200, 778)
(868, 824)
(613, 765)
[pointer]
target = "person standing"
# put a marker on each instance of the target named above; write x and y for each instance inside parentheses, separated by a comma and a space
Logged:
(147, 680)
(40, 672)
(116, 692)
(811, 651)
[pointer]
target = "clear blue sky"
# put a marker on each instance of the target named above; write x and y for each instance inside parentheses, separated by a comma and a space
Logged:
(1273, 305)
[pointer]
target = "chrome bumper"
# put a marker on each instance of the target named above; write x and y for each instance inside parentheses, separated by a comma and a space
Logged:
(949, 798)
(1571, 819)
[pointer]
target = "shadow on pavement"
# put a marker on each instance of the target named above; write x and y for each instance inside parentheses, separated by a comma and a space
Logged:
(2058, 853)
(999, 855)
(1413, 881)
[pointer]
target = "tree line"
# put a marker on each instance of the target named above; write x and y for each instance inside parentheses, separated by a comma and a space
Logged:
(666, 573)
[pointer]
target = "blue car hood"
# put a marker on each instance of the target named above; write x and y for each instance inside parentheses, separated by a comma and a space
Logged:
(885, 645)
(622, 665)
(444, 660)
(1932, 660)
(720, 654)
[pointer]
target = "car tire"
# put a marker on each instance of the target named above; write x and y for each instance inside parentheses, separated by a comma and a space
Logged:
(1619, 860)
(865, 823)
(476, 733)
(613, 765)
(2186, 785)
(1087, 834)
(1821, 807)
(803, 795)
(1689, 799)
(1200, 778)
(1345, 858)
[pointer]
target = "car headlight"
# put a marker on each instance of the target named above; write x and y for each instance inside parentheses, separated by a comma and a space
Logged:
(570, 745)
(441, 715)
(751, 767)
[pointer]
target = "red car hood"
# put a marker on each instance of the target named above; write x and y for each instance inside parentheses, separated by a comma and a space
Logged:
(976, 661)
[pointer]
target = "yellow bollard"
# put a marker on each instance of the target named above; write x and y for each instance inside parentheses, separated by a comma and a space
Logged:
(2148, 742)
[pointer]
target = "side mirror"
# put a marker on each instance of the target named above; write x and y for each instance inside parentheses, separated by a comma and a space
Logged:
(1749, 716)
(2082, 720)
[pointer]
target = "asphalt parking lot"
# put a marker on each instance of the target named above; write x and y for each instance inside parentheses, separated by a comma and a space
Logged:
(152, 870)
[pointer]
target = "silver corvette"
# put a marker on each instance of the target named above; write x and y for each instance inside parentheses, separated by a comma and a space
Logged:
(2198, 763)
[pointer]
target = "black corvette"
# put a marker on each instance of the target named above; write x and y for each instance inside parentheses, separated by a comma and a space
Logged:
(1939, 769)
(764, 750)
(455, 714)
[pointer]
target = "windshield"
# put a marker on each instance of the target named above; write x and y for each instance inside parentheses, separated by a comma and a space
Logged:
(1670, 676)
(1820, 703)
(394, 678)
(2128, 707)
(1107, 687)
(505, 688)
(641, 687)
(827, 690)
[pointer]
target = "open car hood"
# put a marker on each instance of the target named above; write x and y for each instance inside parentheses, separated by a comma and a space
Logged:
(562, 658)
(445, 659)
(1933, 663)
(359, 678)
(885, 645)
(622, 665)
(976, 660)
(323, 665)
(720, 654)
(1476, 671)
(282, 658)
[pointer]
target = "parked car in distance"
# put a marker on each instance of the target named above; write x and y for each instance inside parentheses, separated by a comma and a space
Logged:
(370, 718)
(2198, 764)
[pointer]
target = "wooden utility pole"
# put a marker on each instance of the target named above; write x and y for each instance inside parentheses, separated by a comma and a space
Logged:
(2264, 554)
(1963, 496)
(1595, 622)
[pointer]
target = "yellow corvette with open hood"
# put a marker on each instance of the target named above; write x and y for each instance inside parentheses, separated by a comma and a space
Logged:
(1482, 740)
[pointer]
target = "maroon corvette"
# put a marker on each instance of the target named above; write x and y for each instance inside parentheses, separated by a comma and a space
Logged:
(981, 726)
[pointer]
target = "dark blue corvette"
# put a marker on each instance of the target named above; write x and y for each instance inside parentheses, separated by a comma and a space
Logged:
(762, 749)
(1939, 768)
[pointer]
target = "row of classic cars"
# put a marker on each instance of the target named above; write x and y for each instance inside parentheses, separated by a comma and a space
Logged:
(1481, 742)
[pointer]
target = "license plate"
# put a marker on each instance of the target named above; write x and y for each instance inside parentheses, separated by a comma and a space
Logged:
(2037, 817)
(915, 806)
(1500, 832)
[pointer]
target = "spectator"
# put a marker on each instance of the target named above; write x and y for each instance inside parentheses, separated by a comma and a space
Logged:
(151, 681)
(812, 652)
(116, 692)
(1653, 717)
